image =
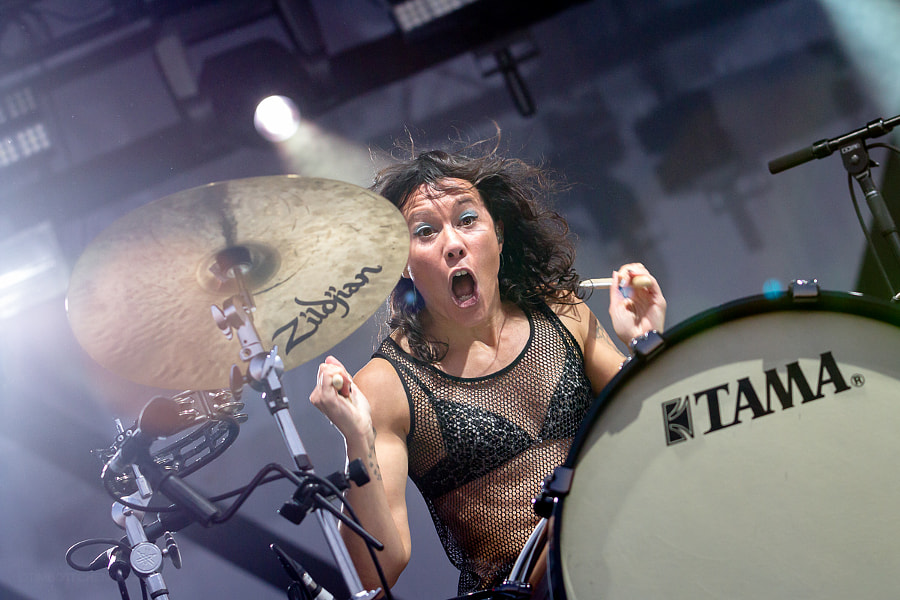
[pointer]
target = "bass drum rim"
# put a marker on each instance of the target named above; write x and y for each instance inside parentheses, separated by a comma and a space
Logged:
(824, 301)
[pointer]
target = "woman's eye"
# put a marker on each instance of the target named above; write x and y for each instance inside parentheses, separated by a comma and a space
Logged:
(423, 230)
(468, 219)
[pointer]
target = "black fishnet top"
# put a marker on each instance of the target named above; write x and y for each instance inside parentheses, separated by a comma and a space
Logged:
(479, 448)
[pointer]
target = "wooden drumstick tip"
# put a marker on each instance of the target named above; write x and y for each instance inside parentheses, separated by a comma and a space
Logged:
(641, 281)
(338, 382)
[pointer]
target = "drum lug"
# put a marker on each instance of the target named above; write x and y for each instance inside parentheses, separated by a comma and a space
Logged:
(555, 485)
(803, 290)
(647, 344)
(513, 590)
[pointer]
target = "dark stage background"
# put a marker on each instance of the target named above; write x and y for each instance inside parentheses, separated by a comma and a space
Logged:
(661, 114)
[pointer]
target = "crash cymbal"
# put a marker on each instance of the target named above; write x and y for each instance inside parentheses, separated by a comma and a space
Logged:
(323, 255)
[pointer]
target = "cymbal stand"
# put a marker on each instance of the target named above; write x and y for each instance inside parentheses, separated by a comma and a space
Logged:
(264, 375)
(146, 558)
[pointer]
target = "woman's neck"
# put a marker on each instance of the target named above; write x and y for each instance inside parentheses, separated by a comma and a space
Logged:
(486, 347)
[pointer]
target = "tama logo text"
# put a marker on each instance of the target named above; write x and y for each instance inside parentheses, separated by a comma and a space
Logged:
(733, 402)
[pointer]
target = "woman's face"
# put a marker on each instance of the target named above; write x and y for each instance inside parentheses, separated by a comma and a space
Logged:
(454, 254)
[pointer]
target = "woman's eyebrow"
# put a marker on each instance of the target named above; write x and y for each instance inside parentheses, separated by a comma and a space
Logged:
(423, 213)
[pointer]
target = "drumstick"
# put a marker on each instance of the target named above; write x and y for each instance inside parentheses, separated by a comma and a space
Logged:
(338, 382)
(604, 283)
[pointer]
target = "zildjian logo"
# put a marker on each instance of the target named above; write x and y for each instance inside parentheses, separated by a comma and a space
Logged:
(746, 400)
(319, 310)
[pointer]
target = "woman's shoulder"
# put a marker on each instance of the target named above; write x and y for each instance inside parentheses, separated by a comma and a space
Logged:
(382, 386)
(573, 312)
(567, 304)
(377, 373)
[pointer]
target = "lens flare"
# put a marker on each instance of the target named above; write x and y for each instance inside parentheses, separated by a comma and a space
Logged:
(772, 289)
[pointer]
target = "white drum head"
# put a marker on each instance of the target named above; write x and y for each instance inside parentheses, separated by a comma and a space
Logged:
(698, 477)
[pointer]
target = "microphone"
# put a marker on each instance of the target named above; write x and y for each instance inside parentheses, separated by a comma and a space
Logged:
(826, 147)
(300, 577)
(168, 521)
(183, 495)
(161, 417)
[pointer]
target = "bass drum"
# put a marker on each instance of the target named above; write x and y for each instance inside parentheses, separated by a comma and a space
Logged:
(753, 455)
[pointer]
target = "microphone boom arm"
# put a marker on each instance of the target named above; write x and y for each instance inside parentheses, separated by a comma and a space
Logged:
(827, 147)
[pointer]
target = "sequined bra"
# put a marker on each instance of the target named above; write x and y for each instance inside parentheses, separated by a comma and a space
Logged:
(479, 448)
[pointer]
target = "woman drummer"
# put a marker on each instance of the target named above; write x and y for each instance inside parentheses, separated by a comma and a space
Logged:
(490, 365)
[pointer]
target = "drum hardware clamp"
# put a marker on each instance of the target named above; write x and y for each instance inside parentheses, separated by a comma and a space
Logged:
(646, 344)
(555, 485)
(805, 290)
(312, 491)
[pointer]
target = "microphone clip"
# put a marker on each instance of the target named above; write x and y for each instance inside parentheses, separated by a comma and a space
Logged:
(312, 491)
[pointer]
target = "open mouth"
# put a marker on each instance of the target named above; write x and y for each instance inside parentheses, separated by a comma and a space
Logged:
(463, 287)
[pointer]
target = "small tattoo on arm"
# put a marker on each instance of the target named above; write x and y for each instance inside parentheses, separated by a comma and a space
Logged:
(372, 464)
(600, 334)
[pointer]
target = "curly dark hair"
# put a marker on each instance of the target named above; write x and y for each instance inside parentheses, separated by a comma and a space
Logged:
(537, 261)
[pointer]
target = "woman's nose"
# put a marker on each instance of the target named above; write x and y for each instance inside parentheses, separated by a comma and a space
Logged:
(456, 251)
(453, 247)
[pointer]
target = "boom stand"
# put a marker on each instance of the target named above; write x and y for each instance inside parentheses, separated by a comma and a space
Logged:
(146, 558)
(264, 374)
(855, 156)
(856, 161)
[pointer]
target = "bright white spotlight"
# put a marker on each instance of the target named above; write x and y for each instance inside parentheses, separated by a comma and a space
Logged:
(32, 269)
(277, 118)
